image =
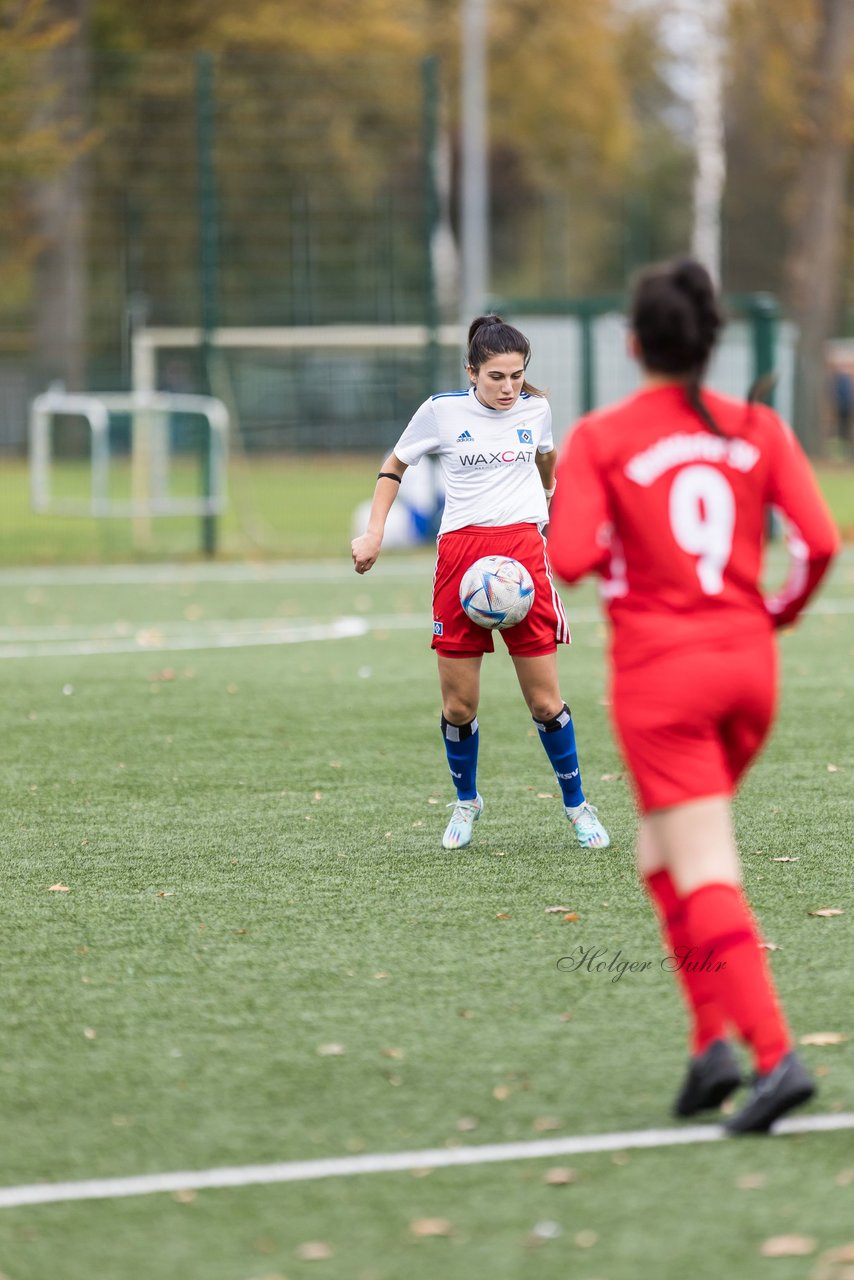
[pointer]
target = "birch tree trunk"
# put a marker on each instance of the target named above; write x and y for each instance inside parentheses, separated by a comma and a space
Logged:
(59, 210)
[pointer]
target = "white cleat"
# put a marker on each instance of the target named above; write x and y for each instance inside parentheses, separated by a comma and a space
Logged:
(459, 829)
(589, 831)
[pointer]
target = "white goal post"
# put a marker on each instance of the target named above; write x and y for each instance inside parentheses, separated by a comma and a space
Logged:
(146, 342)
(150, 412)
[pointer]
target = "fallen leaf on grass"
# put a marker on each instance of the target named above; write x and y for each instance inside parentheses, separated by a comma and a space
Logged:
(834, 1264)
(845, 1178)
(827, 912)
(833, 768)
(552, 911)
(423, 1228)
(566, 1017)
(166, 893)
(90, 1033)
(586, 1239)
(571, 917)
(503, 915)
(185, 1196)
(501, 1092)
(545, 795)
(313, 1251)
(545, 1124)
(611, 777)
(560, 1177)
(787, 1246)
(397, 1054)
(751, 1181)
(382, 974)
(770, 946)
(466, 1124)
(785, 859)
(330, 1050)
(432, 800)
(823, 1038)
(59, 888)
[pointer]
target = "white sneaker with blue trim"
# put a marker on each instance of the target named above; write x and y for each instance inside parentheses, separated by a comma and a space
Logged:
(589, 831)
(459, 830)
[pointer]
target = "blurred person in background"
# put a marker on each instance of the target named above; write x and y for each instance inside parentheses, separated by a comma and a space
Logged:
(496, 452)
(665, 496)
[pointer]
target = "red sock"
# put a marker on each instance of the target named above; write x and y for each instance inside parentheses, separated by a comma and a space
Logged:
(720, 925)
(707, 1021)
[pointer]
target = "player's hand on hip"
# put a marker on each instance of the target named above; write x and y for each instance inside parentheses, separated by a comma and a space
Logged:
(365, 550)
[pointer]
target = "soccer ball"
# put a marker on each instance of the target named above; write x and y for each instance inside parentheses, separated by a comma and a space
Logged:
(496, 592)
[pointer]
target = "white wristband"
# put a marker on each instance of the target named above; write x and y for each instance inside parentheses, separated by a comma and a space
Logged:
(550, 492)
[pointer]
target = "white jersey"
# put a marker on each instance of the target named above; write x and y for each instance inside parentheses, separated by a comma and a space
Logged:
(487, 457)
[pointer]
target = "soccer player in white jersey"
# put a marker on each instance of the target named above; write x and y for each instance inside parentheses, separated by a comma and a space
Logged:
(495, 448)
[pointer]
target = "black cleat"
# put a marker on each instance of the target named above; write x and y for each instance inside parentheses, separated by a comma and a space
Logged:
(712, 1077)
(772, 1095)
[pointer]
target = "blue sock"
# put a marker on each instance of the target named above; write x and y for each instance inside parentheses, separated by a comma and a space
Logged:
(558, 738)
(461, 746)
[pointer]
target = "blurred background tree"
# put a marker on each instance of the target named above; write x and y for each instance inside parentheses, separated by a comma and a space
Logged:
(319, 160)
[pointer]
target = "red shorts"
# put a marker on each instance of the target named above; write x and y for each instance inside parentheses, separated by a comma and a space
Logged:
(690, 723)
(454, 633)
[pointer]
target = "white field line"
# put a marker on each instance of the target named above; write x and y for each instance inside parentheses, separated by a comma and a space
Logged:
(164, 637)
(409, 565)
(170, 637)
(92, 639)
(389, 1162)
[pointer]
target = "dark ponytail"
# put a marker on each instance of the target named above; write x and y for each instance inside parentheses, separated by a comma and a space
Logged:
(676, 319)
(490, 336)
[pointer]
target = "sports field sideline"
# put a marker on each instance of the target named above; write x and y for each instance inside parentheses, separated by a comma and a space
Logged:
(234, 941)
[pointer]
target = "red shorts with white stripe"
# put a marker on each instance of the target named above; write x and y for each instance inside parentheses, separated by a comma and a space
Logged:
(690, 723)
(454, 633)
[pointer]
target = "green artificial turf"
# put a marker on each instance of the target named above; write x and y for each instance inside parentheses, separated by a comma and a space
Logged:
(250, 840)
(298, 505)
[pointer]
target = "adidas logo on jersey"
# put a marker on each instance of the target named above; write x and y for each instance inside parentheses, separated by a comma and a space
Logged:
(466, 436)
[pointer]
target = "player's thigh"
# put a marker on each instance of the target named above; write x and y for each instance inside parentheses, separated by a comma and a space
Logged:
(538, 681)
(459, 681)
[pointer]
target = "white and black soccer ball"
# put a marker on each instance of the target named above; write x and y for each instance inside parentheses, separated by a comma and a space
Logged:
(496, 592)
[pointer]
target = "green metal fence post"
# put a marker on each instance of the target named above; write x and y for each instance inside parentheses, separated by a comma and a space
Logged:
(586, 312)
(764, 313)
(208, 263)
(430, 144)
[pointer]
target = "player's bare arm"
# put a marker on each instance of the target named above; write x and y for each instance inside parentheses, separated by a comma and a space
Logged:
(366, 548)
(546, 466)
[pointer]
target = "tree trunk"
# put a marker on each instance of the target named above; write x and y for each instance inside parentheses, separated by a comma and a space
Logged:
(817, 229)
(59, 211)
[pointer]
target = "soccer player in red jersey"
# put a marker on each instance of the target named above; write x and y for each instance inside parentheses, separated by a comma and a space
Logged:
(495, 448)
(665, 496)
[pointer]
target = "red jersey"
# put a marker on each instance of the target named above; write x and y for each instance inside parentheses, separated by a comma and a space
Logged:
(672, 516)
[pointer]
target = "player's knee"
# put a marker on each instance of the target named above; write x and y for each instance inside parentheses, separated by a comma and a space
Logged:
(545, 708)
(458, 709)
